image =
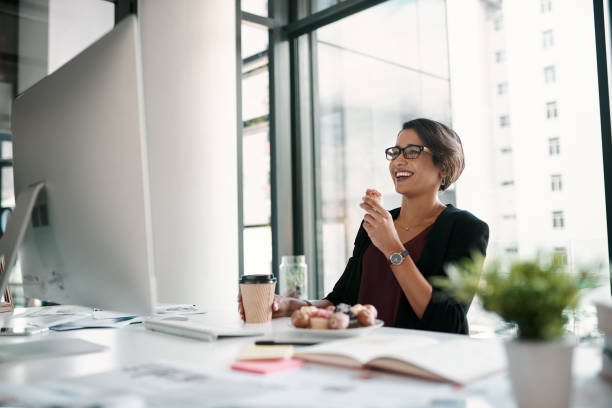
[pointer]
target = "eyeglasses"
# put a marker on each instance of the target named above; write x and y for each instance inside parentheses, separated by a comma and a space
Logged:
(410, 152)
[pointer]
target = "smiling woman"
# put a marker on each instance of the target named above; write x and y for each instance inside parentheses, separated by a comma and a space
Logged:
(397, 252)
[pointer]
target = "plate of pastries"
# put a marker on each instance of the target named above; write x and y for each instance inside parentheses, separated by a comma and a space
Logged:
(337, 321)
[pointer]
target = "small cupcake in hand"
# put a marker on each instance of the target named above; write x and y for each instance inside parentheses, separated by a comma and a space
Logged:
(374, 195)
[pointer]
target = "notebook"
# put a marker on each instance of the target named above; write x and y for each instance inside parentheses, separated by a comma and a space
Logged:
(458, 361)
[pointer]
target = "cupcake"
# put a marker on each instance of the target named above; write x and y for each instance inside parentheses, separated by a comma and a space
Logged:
(339, 321)
(374, 194)
(319, 319)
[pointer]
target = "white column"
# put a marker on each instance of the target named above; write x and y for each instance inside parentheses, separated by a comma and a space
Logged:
(189, 64)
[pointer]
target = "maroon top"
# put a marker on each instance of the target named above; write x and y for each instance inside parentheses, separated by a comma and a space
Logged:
(378, 284)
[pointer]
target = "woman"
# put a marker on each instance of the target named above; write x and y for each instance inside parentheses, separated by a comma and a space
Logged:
(397, 252)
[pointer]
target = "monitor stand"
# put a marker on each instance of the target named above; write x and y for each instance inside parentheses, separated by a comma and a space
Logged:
(16, 228)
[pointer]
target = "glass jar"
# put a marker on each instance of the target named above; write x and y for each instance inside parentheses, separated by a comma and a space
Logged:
(293, 277)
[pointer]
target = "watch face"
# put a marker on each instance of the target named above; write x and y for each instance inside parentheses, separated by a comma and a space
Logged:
(396, 259)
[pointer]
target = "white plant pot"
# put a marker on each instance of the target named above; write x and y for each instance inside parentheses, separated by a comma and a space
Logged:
(541, 373)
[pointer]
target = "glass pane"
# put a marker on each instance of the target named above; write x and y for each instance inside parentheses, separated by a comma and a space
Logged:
(254, 39)
(8, 188)
(387, 24)
(259, 7)
(256, 175)
(318, 5)
(256, 144)
(257, 250)
(255, 95)
(370, 82)
(7, 149)
(400, 68)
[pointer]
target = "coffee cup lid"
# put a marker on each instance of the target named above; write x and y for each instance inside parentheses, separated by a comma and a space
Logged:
(257, 279)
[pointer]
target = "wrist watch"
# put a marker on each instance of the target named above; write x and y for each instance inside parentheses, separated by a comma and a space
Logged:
(397, 258)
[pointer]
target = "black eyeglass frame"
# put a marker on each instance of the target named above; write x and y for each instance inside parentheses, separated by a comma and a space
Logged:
(403, 150)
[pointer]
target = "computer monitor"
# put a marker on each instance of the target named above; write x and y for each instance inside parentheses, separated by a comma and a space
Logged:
(81, 131)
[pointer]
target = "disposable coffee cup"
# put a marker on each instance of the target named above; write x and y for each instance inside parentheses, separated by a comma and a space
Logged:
(257, 297)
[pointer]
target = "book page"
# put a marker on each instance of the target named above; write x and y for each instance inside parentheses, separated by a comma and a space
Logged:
(459, 361)
(364, 349)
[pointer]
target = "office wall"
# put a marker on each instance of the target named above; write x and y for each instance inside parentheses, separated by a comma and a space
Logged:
(189, 65)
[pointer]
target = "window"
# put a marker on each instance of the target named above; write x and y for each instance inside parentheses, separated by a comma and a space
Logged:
(549, 74)
(356, 122)
(256, 191)
(511, 250)
(554, 146)
(551, 110)
(545, 6)
(555, 182)
(557, 219)
(560, 255)
(547, 39)
(498, 23)
(500, 56)
(353, 122)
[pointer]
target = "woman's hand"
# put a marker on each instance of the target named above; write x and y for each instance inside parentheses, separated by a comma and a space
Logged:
(378, 223)
(280, 306)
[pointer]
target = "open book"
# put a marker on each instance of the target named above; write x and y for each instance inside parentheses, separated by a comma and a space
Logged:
(456, 361)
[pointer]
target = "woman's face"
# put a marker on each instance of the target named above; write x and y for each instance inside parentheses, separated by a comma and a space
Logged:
(414, 177)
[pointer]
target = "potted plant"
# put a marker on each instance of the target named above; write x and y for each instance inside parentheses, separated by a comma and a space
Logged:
(533, 294)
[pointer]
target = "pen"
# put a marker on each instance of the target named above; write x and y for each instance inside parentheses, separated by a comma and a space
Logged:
(282, 343)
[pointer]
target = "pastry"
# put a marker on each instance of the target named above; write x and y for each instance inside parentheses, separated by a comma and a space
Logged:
(356, 309)
(366, 317)
(319, 319)
(338, 321)
(308, 309)
(372, 309)
(374, 194)
(300, 319)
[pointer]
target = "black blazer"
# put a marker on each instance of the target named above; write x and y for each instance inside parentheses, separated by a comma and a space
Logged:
(454, 236)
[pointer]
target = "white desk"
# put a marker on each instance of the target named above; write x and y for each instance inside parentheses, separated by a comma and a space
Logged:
(135, 345)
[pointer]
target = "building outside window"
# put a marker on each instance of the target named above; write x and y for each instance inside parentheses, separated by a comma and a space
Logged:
(504, 121)
(507, 183)
(551, 110)
(547, 39)
(549, 74)
(502, 88)
(506, 150)
(554, 146)
(555, 182)
(560, 255)
(558, 220)
(500, 56)
(498, 23)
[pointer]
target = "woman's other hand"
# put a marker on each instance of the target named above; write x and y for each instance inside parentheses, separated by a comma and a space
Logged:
(280, 307)
(378, 223)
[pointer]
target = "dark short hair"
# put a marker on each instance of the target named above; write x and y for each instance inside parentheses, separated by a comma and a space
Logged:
(445, 146)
